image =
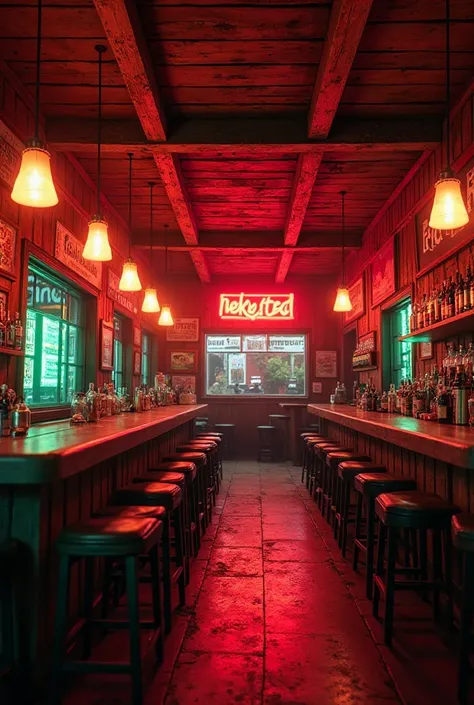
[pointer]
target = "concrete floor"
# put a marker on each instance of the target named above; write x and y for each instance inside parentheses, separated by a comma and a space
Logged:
(274, 616)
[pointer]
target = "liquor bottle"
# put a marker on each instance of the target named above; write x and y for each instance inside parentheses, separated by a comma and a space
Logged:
(392, 400)
(471, 291)
(413, 318)
(384, 402)
(409, 400)
(9, 332)
(93, 403)
(444, 301)
(437, 306)
(425, 311)
(419, 400)
(459, 300)
(419, 315)
(460, 395)
(467, 289)
(430, 309)
(451, 298)
(18, 333)
(444, 409)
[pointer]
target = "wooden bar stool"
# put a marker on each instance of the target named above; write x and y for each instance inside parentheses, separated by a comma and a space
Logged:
(281, 423)
(267, 443)
(333, 459)
(228, 431)
(200, 461)
(462, 531)
(216, 438)
(306, 455)
(311, 469)
(323, 478)
(346, 472)
(108, 537)
(368, 486)
(211, 468)
(420, 512)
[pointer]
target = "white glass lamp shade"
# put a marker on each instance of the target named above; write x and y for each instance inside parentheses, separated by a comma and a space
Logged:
(34, 184)
(130, 281)
(150, 302)
(448, 211)
(97, 247)
(166, 317)
(343, 300)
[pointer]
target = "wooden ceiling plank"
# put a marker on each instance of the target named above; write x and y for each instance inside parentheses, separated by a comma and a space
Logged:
(283, 266)
(346, 24)
(124, 33)
(306, 171)
(173, 181)
(201, 266)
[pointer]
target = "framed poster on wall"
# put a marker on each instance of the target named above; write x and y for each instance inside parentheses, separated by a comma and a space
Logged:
(326, 363)
(185, 382)
(383, 273)
(184, 330)
(183, 361)
(357, 294)
(7, 249)
(106, 345)
(137, 362)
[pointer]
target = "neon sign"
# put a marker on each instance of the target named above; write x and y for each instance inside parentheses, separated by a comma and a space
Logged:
(257, 307)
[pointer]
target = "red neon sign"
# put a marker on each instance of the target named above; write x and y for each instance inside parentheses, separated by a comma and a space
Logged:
(257, 307)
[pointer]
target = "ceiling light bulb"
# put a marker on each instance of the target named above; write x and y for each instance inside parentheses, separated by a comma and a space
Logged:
(97, 247)
(448, 211)
(343, 300)
(150, 302)
(166, 317)
(34, 184)
(130, 281)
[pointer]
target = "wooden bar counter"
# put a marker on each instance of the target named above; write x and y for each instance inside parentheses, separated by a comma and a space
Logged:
(60, 474)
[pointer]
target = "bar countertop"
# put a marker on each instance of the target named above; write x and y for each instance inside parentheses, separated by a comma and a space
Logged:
(56, 450)
(452, 444)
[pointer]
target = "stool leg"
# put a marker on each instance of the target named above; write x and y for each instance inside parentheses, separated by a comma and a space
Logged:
(88, 606)
(345, 517)
(467, 612)
(131, 572)
(437, 570)
(178, 538)
(197, 529)
(156, 598)
(59, 629)
(390, 585)
(166, 571)
(448, 575)
(379, 568)
(370, 544)
(358, 531)
(338, 500)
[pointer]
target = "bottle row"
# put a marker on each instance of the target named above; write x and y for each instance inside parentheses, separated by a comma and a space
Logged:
(453, 297)
(11, 331)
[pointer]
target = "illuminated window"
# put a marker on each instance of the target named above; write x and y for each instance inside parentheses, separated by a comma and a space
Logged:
(258, 364)
(118, 371)
(399, 363)
(54, 340)
(146, 352)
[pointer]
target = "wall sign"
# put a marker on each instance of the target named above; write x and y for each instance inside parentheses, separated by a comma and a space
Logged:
(383, 273)
(137, 362)
(183, 361)
(7, 249)
(317, 388)
(326, 363)
(257, 307)
(106, 345)
(254, 343)
(432, 246)
(10, 154)
(356, 292)
(115, 294)
(184, 330)
(68, 250)
(184, 382)
(223, 343)
(286, 343)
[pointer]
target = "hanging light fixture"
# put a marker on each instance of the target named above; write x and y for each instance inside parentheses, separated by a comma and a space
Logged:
(34, 184)
(130, 281)
(448, 211)
(343, 299)
(166, 317)
(97, 247)
(150, 300)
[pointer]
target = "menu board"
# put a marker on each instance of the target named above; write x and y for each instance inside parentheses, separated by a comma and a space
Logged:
(254, 343)
(286, 343)
(223, 343)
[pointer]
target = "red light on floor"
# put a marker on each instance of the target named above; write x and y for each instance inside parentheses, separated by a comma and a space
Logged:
(257, 307)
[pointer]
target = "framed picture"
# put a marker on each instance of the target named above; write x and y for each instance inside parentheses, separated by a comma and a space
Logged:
(383, 273)
(357, 294)
(137, 336)
(4, 302)
(184, 330)
(183, 361)
(106, 345)
(326, 363)
(426, 350)
(317, 388)
(137, 362)
(7, 249)
(184, 382)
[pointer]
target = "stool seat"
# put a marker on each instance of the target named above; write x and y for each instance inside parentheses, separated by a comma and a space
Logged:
(203, 437)
(224, 425)
(462, 530)
(373, 484)
(177, 466)
(350, 468)
(284, 417)
(174, 478)
(187, 456)
(203, 447)
(150, 493)
(109, 536)
(413, 508)
(341, 455)
(112, 510)
(272, 429)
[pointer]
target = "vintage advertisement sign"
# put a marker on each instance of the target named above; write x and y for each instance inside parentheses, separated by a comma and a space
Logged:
(356, 293)
(68, 250)
(223, 343)
(115, 294)
(286, 343)
(10, 154)
(254, 343)
(185, 330)
(435, 245)
(383, 273)
(7, 249)
(257, 307)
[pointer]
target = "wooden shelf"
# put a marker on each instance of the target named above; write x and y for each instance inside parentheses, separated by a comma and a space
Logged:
(10, 351)
(367, 368)
(453, 326)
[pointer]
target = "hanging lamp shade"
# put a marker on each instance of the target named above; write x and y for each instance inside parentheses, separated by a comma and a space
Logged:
(166, 317)
(130, 281)
(34, 184)
(343, 300)
(97, 247)
(150, 301)
(448, 211)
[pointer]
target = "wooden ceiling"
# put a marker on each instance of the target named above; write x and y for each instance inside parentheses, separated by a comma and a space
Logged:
(250, 116)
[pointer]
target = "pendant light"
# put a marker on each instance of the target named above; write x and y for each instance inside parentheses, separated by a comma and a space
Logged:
(34, 184)
(448, 211)
(150, 300)
(130, 281)
(166, 317)
(97, 247)
(343, 300)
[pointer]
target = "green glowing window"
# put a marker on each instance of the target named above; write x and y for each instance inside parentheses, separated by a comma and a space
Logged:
(54, 340)
(399, 363)
(118, 371)
(146, 352)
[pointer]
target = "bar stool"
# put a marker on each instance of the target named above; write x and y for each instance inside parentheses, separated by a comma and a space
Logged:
(160, 494)
(305, 450)
(127, 539)
(346, 472)
(319, 486)
(420, 512)
(228, 431)
(8, 606)
(267, 443)
(200, 461)
(179, 479)
(368, 486)
(462, 531)
(216, 438)
(333, 458)
(211, 467)
(281, 423)
(310, 466)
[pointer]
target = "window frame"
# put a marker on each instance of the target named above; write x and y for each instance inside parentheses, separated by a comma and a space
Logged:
(398, 301)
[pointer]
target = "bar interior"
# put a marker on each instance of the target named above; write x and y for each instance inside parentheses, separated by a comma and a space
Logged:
(236, 352)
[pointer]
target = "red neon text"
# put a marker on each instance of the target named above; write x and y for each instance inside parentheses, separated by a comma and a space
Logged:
(257, 306)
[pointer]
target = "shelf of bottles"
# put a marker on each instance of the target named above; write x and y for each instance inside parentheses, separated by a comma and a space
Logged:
(446, 311)
(11, 334)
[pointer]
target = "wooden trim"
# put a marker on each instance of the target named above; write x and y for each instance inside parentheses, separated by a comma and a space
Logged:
(305, 176)
(201, 266)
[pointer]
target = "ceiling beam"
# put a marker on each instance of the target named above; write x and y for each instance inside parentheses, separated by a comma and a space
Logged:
(229, 138)
(125, 35)
(283, 266)
(305, 176)
(200, 264)
(346, 24)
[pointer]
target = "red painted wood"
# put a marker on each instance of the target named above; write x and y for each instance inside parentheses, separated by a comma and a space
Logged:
(306, 171)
